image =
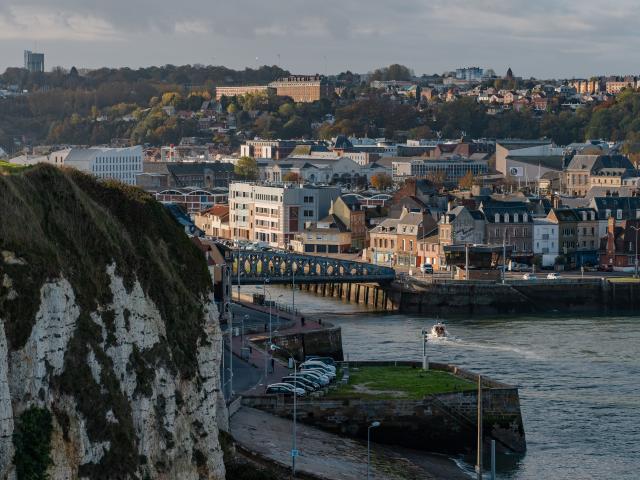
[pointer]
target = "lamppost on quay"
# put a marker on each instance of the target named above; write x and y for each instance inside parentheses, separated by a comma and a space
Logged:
(635, 275)
(294, 451)
(229, 312)
(373, 425)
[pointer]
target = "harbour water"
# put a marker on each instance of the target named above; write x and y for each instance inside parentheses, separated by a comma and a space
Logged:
(579, 379)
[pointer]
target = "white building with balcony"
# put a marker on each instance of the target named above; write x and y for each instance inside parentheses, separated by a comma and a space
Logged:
(121, 164)
(546, 241)
(275, 214)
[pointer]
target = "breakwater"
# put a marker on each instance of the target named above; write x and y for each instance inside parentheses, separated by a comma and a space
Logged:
(443, 422)
(592, 296)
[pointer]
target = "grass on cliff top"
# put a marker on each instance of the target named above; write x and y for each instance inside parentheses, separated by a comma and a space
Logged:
(9, 168)
(61, 222)
(403, 382)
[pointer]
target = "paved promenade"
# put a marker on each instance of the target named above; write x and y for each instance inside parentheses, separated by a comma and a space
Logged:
(330, 456)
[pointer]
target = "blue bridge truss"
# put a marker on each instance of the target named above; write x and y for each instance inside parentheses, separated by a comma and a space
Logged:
(281, 268)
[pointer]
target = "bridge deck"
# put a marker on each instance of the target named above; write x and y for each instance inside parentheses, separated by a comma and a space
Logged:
(282, 268)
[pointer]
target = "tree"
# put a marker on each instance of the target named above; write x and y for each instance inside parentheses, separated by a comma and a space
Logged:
(293, 177)
(247, 168)
(467, 181)
(381, 181)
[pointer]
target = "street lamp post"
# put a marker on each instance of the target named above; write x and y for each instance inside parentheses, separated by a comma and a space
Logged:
(229, 313)
(294, 451)
(373, 425)
(635, 275)
(425, 360)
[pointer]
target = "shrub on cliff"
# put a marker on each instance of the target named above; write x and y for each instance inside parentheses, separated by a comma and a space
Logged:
(32, 442)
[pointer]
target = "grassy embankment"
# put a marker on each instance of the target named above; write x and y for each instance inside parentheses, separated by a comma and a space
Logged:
(399, 382)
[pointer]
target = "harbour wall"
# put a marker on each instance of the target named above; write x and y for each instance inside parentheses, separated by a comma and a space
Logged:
(591, 296)
(442, 423)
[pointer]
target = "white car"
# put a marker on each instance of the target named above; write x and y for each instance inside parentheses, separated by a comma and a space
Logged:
(284, 389)
(553, 276)
(316, 377)
(330, 375)
(529, 276)
(318, 363)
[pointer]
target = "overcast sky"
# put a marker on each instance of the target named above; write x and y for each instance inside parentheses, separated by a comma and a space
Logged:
(542, 38)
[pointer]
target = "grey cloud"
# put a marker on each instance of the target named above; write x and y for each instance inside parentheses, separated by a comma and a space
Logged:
(542, 38)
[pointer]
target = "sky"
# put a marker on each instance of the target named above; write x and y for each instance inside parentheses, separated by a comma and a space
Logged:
(541, 38)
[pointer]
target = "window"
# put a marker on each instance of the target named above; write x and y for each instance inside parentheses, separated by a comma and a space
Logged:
(308, 213)
(619, 214)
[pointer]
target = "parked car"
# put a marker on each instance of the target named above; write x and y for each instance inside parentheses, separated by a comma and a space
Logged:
(305, 381)
(329, 375)
(315, 376)
(318, 363)
(553, 276)
(605, 268)
(426, 268)
(321, 370)
(326, 360)
(529, 276)
(298, 383)
(284, 389)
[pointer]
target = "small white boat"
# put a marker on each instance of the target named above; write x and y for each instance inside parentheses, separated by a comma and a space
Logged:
(439, 330)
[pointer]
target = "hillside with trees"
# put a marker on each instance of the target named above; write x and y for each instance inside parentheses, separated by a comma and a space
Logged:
(160, 105)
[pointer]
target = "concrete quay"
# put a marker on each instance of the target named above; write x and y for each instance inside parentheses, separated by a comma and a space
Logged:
(325, 456)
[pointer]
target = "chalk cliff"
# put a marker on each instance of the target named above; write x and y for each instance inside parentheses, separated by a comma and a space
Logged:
(109, 335)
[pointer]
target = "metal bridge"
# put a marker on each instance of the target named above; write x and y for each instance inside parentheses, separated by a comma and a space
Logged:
(283, 268)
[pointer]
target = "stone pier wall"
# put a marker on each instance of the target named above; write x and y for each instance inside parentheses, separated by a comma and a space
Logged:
(370, 294)
(442, 423)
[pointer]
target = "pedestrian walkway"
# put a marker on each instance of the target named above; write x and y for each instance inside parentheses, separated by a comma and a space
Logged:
(260, 358)
(320, 453)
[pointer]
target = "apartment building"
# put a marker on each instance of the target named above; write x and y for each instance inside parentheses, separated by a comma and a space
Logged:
(586, 171)
(511, 223)
(302, 88)
(274, 149)
(275, 214)
(121, 164)
(545, 241)
(233, 91)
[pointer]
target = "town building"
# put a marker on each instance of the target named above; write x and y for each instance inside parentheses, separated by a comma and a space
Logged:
(274, 149)
(328, 235)
(121, 164)
(214, 221)
(619, 247)
(275, 214)
(192, 199)
(545, 241)
(162, 175)
(451, 169)
(588, 237)
(238, 90)
(342, 170)
(620, 208)
(395, 240)
(586, 170)
(303, 88)
(55, 158)
(33, 62)
(566, 220)
(509, 223)
(528, 160)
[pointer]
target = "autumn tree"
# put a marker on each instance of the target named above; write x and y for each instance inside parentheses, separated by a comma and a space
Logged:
(381, 181)
(247, 168)
(293, 177)
(467, 181)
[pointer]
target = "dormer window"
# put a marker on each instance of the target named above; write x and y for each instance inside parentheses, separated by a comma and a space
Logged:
(525, 217)
(497, 218)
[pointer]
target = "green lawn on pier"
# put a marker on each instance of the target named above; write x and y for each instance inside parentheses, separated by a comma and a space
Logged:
(400, 382)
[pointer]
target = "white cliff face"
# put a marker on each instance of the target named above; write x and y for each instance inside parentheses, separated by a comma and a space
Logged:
(175, 421)
(6, 412)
